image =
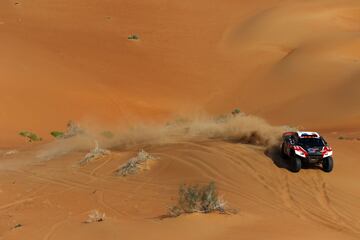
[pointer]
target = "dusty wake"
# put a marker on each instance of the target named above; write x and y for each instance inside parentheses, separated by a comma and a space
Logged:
(239, 128)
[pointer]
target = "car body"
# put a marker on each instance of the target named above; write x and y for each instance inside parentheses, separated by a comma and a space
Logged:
(304, 148)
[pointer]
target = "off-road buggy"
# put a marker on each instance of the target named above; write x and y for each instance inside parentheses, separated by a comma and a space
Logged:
(306, 148)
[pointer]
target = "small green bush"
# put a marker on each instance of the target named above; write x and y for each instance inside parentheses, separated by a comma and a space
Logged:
(57, 134)
(32, 137)
(19, 225)
(73, 129)
(133, 37)
(236, 112)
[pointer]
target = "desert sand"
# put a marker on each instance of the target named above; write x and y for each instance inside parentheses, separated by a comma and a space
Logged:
(291, 63)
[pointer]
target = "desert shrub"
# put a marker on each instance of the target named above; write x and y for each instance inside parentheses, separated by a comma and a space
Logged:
(95, 216)
(18, 225)
(134, 164)
(95, 153)
(133, 37)
(236, 111)
(32, 137)
(57, 134)
(195, 198)
(72, 130)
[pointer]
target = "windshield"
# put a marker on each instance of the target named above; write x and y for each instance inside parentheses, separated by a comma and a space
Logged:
(311, 142)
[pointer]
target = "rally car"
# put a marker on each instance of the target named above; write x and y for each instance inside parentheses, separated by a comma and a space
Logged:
(306, 148)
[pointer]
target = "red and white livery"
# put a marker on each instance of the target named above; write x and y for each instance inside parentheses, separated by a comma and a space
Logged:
(305, 148)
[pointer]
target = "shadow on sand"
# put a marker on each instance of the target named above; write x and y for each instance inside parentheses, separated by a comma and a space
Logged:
(275, 155)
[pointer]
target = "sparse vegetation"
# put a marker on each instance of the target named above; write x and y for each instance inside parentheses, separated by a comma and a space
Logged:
(134, 164)
(236, 111)
(18, 226)
(201, 199)
(72, 130)
(32, 137)
(133, 37)
(57, 134)
(97, 152)
(95, 216)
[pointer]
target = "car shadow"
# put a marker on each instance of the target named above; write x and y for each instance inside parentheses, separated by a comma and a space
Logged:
(275, 155)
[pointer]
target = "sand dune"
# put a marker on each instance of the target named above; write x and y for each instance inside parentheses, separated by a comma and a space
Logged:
(52, 198)
(66, 54)
(292, 63)
(309, 61)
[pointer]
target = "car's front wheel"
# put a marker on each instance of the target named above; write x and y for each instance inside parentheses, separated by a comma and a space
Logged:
(296, 164)
(328, 164)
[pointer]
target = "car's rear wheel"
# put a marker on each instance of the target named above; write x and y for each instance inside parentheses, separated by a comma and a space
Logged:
(328, 164)
(296, 164)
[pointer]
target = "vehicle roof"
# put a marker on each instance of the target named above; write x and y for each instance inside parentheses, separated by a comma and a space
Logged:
(308, 134)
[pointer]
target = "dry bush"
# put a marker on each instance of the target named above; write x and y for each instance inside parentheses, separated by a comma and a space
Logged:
(195, 198)
(73, 129)
(134, 164)
(94, 154)
(236, 111)
(133, 37)
(18, 225)
(95, 216)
